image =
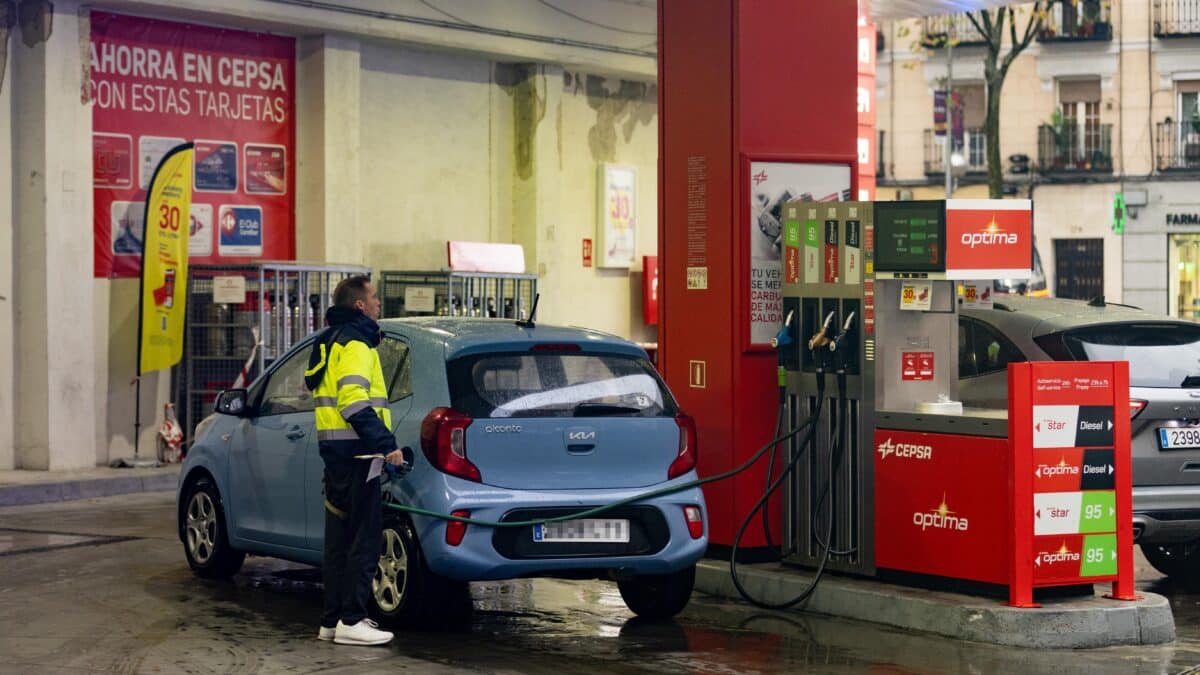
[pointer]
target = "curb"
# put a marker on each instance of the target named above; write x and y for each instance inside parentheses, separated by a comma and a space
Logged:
(41, 493)
(1060, 624)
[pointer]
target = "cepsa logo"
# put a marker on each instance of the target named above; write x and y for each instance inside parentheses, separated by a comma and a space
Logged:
(1062, 555)
(908, 450)
(991, 235)
(941, 518)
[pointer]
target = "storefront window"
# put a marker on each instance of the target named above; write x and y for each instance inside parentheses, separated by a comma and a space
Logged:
(1185, 286)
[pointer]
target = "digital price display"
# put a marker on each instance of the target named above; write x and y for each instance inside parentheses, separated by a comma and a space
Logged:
(910, 236)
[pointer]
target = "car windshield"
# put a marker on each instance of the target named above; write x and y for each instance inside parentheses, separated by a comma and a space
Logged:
(566, 384)
(1159, 355)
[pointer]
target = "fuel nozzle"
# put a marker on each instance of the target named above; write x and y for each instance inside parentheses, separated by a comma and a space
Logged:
(836, 343)
(821, 338)
(784, 337)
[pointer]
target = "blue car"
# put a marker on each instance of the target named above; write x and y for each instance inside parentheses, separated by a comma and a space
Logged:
(512, 423)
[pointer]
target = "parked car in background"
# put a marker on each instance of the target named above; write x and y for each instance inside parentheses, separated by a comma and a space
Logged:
(515, 423)
(1164, 376)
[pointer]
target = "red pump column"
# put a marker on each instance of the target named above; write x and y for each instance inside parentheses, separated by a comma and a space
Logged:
(745, 86)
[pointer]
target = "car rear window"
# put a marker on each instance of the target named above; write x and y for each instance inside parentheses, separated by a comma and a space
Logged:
(565, 384)
(1159, 355)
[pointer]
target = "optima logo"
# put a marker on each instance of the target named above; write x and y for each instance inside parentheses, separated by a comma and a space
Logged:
(1060, 469)
(941, 518)
(908, 450)
(991, 235)
(1062, 555)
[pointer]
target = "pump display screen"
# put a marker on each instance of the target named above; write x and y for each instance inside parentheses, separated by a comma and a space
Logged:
(910, 236)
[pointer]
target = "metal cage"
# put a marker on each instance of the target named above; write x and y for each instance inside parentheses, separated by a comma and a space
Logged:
(283, 303)
(447, 293)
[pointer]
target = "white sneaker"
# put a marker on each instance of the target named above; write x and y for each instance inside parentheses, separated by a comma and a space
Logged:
(365, 632)
(325, 633)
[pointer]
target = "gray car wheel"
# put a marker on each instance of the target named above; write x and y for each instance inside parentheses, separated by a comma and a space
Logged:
(205, 538)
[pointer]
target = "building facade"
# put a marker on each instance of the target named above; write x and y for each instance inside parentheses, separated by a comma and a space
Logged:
(1103, 101)
(412, 124)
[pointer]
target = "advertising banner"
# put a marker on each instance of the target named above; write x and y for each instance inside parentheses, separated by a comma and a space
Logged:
(165, 262)
(617, 233)
(773, 184)
(157, 84)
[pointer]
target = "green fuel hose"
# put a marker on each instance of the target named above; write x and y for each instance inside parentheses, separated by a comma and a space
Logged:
(606, 507)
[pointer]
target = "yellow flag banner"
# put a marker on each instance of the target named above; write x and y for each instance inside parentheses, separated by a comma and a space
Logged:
(164, 262)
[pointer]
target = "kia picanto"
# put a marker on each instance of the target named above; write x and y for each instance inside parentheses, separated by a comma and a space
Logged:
(509, 423)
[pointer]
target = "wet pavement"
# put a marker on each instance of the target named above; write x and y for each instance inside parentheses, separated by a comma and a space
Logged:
(102, 586)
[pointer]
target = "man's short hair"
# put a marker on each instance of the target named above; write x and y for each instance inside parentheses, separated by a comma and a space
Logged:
(350, 290)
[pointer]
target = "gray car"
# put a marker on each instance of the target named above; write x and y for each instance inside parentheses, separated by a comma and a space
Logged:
(1164, 378)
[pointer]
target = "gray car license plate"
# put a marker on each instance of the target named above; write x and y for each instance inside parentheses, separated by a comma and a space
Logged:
(1178, 438)
(593, 530)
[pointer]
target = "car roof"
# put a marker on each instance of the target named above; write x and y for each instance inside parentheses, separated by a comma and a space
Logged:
(461, 336)
(1040, 316)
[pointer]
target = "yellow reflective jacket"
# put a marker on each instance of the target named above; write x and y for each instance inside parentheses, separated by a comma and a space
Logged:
(348, 387)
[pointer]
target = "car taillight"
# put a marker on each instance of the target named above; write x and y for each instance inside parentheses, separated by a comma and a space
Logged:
(455, 530)
(1136, 407)
(695, 521)
(685, 460)
(444, 442)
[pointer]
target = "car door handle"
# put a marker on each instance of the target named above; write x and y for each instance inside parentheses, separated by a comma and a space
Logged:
(295, 433)
(581, 448)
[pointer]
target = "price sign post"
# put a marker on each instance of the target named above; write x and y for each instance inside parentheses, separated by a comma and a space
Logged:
(1071, 477)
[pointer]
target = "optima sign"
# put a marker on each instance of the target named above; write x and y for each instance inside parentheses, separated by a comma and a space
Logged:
(989, 238)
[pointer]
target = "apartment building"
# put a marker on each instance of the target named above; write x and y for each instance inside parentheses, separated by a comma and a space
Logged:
(1105, 100)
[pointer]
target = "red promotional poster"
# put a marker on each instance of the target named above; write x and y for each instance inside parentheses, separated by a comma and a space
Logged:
(156, 84)
(989, 238)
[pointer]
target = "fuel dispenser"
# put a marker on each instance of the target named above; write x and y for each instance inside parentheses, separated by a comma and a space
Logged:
(879, 282)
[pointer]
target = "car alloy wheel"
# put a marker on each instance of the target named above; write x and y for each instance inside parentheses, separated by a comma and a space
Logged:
(391, 576)
(201, 527)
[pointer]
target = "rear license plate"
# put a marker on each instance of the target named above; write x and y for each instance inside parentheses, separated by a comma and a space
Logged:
(1178, 438)
(594, 530)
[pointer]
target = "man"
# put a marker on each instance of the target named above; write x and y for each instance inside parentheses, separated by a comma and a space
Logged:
(353, 420)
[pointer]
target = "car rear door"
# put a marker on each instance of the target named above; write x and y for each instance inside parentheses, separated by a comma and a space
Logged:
(1164, 377)
(983, 357)
(563, 419)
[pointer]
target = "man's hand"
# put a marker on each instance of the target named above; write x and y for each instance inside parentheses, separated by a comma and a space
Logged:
(399, 461)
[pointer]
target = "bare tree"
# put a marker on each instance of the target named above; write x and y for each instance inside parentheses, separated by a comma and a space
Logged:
(991, 26)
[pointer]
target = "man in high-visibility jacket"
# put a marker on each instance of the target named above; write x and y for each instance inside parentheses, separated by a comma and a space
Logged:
(352, 417)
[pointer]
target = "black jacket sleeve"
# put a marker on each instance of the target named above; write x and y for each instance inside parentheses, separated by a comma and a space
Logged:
(373, 432)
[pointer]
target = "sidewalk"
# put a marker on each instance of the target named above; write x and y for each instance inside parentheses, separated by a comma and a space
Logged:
(37, 487)
(1062, 624)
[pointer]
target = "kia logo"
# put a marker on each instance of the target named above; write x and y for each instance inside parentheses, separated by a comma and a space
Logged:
(581, 435)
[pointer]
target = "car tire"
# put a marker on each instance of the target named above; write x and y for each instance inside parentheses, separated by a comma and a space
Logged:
(1179, 561)
(404, 591)
(205, 537)
(658, 596)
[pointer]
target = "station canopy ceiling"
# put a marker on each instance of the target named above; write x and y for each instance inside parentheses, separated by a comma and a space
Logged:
(910, 9)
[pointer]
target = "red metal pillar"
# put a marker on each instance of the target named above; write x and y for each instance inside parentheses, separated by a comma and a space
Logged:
(739, 81)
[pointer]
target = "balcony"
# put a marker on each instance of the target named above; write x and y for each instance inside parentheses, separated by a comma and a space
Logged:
(936, 30)
(974, 152)
(1176, 18)
(1067, 149)
(1085, 21)
(1178, 145)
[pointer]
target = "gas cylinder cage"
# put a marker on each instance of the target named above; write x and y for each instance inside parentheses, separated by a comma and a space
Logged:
(448, 293)
(283, 303)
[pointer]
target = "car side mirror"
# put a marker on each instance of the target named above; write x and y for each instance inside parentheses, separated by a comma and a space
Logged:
(232, 402)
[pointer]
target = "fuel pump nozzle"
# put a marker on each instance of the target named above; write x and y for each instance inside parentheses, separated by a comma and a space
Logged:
(838, 342)
(821, 338)
(784, 337)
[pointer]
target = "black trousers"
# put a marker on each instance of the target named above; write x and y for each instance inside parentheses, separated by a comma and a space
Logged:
(353, 540)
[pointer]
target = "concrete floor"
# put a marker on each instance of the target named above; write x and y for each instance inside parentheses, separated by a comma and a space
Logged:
(101, 586)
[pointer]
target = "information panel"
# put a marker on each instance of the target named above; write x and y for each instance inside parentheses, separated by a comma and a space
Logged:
(1072, 491)
(910, 236)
